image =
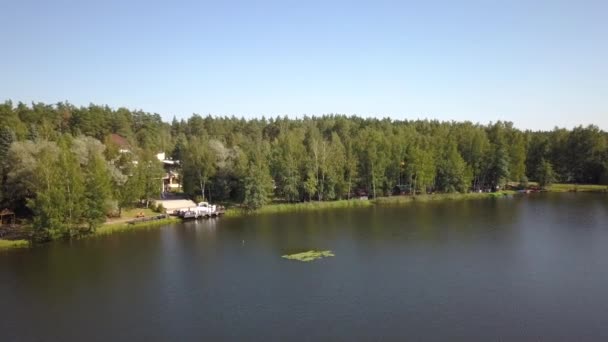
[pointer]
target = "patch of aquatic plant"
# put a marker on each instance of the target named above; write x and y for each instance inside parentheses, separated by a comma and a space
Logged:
(9, 244)
(309, 255)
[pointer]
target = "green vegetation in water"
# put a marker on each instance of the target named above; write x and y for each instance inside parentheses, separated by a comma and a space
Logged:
(577, 188)
(309, 256)
(355, 203)
(305, 206)
(433, 197)
(9, 244)
(120, 227)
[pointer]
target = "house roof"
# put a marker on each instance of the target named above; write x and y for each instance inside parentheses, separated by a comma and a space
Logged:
(6, 212)
(119, 140)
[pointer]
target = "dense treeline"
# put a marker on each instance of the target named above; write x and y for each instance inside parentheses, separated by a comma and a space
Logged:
(59, 163)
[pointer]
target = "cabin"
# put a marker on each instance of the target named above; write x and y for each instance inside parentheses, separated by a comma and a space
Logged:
(361, 194)
(402, 189)
(7, 217)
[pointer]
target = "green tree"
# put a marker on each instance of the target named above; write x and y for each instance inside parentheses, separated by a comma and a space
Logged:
(373, 158)
(97, 191)
(258, 187)
(258, 182)
(7, 137)
(311, 184)
(198, 166)
(336, 169)
(420, 165)
(47, 200)
(125, 183)
(56, 199)
(452, 175)
(517, 157)
(288, 155)
(546, 176)
(150, 173)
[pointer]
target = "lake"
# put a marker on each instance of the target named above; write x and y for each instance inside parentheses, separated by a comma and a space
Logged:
(530, 267)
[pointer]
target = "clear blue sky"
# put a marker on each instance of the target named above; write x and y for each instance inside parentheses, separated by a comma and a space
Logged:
(536, 63)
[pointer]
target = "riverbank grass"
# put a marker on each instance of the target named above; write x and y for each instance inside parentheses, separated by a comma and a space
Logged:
(577, 188)
(356, 203)
(10, 244)
(304, 206)
(440, 197)
(308, 256)
(111, 228)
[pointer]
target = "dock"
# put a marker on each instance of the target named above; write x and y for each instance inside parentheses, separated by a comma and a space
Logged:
(195, 214)
(148, 219)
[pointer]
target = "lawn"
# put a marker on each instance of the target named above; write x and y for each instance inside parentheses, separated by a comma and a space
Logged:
(128, 214)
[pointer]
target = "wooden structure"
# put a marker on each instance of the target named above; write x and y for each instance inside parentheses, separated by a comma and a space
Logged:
(7, 213)
(148, 219)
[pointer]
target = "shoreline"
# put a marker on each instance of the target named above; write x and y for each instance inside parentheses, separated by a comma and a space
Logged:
(116, 227)
(402, 199)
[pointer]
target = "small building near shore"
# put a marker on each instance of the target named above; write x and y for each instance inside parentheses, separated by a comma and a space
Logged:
(171, 179)
(7, 216)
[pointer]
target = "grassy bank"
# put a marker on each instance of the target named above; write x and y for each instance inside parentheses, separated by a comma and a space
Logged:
(106, 229)
(10, 244)
(305, 206)
(111, 228)
(439, 197)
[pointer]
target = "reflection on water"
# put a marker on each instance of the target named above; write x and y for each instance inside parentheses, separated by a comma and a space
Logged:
(520, 268)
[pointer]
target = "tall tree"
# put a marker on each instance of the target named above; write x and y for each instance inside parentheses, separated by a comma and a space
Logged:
(150, 173)
(198, 166)
(545, 173)
(97, 191)
(257, 182)
(452, 173)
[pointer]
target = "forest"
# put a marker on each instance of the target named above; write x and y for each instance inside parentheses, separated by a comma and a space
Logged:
(60, 167)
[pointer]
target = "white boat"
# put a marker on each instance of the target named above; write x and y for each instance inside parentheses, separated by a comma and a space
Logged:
(202, 209)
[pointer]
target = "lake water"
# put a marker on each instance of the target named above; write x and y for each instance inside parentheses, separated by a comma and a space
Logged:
(523, 268)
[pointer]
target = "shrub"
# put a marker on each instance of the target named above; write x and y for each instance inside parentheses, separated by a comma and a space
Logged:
(160, 208)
